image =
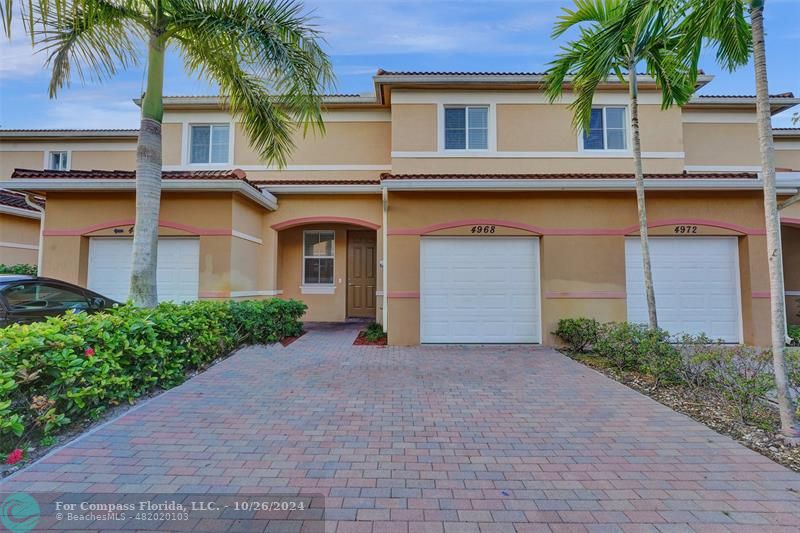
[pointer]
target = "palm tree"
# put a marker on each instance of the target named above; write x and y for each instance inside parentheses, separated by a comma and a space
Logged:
(724, 24)
(264, 55)
(615, 36)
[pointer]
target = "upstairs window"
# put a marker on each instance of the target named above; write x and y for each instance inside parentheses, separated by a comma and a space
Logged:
(318, 253)
(606, 130)
(466, 128)
(58, 161)
(209, 144)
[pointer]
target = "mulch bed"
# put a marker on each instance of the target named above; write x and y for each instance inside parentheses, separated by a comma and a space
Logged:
(707, 407)
(286, 341)
(362, 340)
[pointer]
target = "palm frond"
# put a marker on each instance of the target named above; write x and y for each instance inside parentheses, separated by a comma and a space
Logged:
(93, 40)
(600, 11)
(721, 23)
(266, 57)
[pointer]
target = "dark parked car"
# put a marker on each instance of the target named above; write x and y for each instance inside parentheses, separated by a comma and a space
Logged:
(25, 299)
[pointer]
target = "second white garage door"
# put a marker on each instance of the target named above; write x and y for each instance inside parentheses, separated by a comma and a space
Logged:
(178, 268)
(479, 290)
(696, 280)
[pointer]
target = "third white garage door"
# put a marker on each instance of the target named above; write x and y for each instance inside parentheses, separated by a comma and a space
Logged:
(178, 268)
(696, 281)
(479, 290)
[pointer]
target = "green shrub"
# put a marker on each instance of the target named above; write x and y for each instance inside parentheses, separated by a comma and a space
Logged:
(619, 344)
(660, 357)
(27, 270)
(577, 333)
(794, 334)
(374, 332)
(73, 367)
(741, 374)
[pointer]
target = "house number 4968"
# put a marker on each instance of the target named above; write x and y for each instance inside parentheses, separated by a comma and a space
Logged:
(483, 229)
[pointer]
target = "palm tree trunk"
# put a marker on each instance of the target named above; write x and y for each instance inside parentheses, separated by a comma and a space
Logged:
(640, 202)
(774, 252)
(143, 290)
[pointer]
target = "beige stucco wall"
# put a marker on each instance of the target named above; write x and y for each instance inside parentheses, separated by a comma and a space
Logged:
(414, 127)
(721, 144)
(103, 160)
(33, 159)
(362, 143)
(535, 128)
(787, 153)
(171, 147)
(18, 236)
(587, 263)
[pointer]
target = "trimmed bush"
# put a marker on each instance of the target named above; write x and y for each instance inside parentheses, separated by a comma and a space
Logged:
(374, 332)
(577, 333)
(26, 270)
(73, 367)
(742, 374)
(794, 334)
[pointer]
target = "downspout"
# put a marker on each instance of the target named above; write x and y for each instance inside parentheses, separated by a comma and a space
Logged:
(385, 257)
(40, 251)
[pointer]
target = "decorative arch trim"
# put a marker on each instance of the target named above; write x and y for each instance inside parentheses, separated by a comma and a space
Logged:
(286, 224)
(193, 230)
(584, 232)
(788, 221)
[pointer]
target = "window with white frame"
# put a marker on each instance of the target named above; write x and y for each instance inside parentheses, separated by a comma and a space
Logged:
(58, 160)
(318, 252)
(607, 130)
(209, 143)
(466, 128)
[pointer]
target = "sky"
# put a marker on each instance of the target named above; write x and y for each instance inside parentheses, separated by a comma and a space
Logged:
(361, 37)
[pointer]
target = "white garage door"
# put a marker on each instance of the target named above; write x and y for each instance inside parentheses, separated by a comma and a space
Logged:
(479, 290)
(178, 268)
(696, 280)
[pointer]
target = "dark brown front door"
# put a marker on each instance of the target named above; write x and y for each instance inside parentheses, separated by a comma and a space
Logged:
(361, 266)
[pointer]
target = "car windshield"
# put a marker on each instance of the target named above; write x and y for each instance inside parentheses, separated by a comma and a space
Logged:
(33, 296)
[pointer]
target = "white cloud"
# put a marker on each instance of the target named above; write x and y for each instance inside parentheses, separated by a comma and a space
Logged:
(17, 57)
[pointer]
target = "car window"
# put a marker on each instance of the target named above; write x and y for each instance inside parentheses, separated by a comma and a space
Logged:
(44, 296)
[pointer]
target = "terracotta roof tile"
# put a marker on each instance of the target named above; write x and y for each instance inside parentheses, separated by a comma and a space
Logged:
(234, 174)
(778, 95)
(721, 175)
(13, 199)
(319, 182)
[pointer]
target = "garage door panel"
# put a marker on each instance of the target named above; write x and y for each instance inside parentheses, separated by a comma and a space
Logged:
(479, 289)
(696, 283)
(177, 271)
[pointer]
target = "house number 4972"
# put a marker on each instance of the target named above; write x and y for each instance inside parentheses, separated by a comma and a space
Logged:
(483, 229)
(685, 229)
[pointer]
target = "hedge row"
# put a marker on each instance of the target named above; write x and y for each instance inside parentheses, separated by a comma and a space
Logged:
(741, 374)
(28, 270)
(73, 367)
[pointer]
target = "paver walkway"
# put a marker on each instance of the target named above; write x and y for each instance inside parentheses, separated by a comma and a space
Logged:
(431, 438)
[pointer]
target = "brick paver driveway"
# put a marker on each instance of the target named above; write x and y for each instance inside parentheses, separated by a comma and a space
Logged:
(435, 438)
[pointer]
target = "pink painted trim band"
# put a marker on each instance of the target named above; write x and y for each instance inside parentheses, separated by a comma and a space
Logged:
(791, 221)
(402, 294)
(761, 294)
(214, 294)
(194, 230)
(577, 232)
(586, 295)
(312, 220)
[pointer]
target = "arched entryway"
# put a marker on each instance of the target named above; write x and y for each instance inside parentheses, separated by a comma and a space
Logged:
(331, 264)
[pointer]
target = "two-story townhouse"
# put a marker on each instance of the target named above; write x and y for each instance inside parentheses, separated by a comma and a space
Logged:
(452, 207)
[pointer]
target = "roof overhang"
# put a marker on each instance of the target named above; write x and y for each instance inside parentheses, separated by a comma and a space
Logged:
(221, 102)
(777, 104)
(263, 198)
(385, 82)
(786, 186)
(29, 135)
(19, 212)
